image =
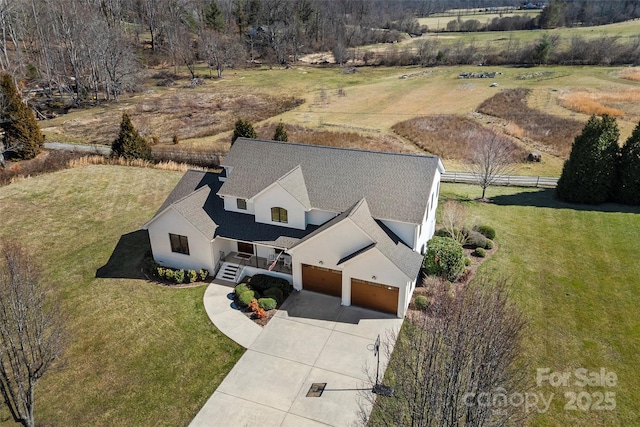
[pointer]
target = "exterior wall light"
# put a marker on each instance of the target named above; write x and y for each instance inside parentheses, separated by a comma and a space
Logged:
(321, 262)
(373, 277)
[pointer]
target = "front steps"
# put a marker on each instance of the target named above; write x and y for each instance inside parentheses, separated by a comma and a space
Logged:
(229, 272)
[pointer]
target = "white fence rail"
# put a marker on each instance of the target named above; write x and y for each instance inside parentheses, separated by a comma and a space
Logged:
(505, 180)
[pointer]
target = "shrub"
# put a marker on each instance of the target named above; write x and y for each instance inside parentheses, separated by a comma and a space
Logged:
(274, 293)
(178, 276)
(486, 230)
(442, 233)
(192, 276)
(245, 298)
(253, 305)
(476, 240)
(169, 274)
(260, 313)
(489, 244)
(479, 252)
(467, 261)
(242, 287)
(129, 144)
(444, 258)
(267, 303)
(421, 302)
(262, 282)
(159, 272)
(203, 274)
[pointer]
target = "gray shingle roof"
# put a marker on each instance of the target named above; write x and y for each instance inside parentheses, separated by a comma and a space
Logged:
(293, 183)
(396, 186)
(402, 256)
(195, 198)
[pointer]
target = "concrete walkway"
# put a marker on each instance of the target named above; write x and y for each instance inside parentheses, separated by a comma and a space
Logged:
(312, 339)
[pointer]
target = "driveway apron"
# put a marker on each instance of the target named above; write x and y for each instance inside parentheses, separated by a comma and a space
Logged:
(311, 339)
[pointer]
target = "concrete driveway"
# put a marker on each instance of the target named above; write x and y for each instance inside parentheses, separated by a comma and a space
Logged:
(312, 339)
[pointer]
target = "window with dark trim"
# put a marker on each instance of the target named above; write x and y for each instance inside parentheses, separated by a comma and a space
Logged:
(241, 204)
(279, 215)
(179, 244)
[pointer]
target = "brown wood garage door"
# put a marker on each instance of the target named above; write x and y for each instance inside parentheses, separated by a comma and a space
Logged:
(322, 280)
(375, 296)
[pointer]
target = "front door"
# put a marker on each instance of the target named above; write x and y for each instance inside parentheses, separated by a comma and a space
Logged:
(245, 248)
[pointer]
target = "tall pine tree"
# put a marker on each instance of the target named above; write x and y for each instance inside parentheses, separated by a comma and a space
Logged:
(243, 129)
(129, 144)
(281, 133)
(629, 170)
(589, 175)
(22, 136)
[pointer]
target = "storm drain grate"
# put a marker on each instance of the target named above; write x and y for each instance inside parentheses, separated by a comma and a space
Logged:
(316, 389)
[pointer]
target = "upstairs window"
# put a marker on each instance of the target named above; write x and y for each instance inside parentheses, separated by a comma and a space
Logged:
(179, 244)
(241, 204)
(279, 215)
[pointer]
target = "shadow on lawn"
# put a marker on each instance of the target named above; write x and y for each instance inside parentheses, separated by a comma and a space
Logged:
(546, 198)
(126, 260)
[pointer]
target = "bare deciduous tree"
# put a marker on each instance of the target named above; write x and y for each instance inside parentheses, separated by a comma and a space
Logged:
(30, 331)
(491, 156)
(465, 343)
(453, 217)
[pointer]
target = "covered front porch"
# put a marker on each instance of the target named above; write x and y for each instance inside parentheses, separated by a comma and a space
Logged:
(281, 264)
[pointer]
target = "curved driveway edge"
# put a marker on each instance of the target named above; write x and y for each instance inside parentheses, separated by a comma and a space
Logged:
(228, 320)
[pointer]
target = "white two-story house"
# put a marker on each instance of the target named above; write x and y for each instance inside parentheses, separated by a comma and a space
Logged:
(343, 222)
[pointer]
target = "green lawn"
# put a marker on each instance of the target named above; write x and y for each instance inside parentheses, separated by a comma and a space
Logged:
(575, 274)
(137, 353)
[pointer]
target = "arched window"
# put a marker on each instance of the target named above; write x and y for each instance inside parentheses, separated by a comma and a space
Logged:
(279, 215)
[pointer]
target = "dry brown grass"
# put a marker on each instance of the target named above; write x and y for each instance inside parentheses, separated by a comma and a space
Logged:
(373, 142)
(615, 103)
(554, 133)
(100, 160)
(631, 74)
(448, 136)
(185, 113)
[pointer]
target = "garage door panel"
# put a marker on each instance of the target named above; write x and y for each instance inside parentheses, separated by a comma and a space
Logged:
(374, 296)
(322, 280)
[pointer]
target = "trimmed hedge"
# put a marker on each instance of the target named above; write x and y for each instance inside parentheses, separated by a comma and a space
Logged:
(486, 230)
(245, 298)
(267, 303)
(274, 293)
(444, 258)
(262, 282)
(477, 240)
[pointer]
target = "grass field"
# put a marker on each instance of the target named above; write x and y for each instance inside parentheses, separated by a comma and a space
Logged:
(575, 275)
(137, 354)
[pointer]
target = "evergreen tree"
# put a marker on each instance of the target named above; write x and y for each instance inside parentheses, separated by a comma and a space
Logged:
(213, 17)
(243, 129)
(589, 175)
(629, 170)
(129, 144)
(280, 133)
(22, 136)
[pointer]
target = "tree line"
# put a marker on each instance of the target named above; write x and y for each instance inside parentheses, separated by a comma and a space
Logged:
(98, 49)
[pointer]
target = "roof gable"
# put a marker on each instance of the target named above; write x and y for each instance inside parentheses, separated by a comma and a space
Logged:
(396, 186)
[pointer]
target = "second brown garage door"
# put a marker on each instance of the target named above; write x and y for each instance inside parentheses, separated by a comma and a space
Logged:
(374, 295)
(322, 280)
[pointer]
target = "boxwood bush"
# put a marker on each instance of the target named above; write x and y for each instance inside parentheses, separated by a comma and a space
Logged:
(421, 302)
(267, 303)
(486, 230)
(444, 258)
(245, 298)
(479, 252)
(242, 287)
(477, 240)
(274, 293)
